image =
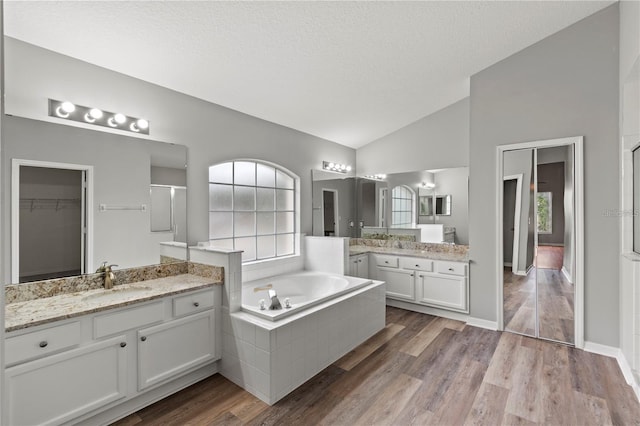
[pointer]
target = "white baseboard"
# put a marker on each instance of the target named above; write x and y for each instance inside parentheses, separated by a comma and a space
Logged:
(566, 274)
(521, 273)
(482, 323)
(624, 365)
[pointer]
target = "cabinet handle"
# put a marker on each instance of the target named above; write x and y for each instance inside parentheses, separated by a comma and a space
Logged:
(412, 275)
(43, 344)
(451, 269)
(386, 261)
(143, 338)
(360, 261)
(123, 344)
(417, 266)
(196, 304)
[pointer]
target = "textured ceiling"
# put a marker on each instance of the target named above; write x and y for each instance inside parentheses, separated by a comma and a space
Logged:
(349, 72)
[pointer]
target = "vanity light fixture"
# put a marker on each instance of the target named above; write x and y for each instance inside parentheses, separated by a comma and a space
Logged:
(429, 185)
(336, 167)
(82, 114)
(375, 177)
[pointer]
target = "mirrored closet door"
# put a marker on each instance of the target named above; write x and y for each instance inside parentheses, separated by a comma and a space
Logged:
(538, 230)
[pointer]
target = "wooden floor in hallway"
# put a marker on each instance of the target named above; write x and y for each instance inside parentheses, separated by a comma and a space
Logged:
(423, 370)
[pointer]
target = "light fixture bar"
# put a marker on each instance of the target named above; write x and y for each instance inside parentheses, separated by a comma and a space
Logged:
(336, 167)
(375, 177)
(89, 115)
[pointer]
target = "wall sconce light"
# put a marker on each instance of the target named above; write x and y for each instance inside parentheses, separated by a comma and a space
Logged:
(429, 185)
(336, 167)
(82, 114)
(375, 177)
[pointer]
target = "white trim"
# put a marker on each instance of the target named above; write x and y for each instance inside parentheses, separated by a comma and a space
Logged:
(521, 273)
(482, 323)
(15, 209)
(597, 348)
(515, 252)
(578, 186)
(623, 363)
(566, 274)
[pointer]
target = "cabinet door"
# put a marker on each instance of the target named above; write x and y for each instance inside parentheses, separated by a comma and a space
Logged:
(363, 267)
(442, 291)
(400, 283)
(174, 347)
(61, 387)
(353, 266)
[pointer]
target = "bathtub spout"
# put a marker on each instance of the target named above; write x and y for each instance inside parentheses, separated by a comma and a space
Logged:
(275, 303)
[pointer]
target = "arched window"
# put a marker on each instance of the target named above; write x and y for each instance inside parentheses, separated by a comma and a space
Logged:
(252, 207)
(402, 211)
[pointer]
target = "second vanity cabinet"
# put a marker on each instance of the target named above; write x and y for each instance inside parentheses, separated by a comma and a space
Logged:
(75, 367)
(359, 265)
(437, 283)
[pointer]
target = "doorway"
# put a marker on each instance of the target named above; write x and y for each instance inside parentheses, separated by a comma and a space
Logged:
(50, 222)
(330, 212)
(540, 267)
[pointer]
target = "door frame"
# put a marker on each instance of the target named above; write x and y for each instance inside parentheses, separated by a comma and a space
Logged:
(336, 226)
(578, 186)
(16, 163)
(515, 258)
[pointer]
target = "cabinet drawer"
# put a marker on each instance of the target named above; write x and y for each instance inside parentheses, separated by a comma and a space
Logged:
(117, 322)
(42, 342)
(191, 303)
(388, 261)
(451, 268)
(416, 264)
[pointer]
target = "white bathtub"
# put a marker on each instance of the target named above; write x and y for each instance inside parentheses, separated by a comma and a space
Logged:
(303, 289)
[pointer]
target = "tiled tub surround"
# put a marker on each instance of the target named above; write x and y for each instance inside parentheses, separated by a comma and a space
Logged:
(450, 252)
(272, 358)
(36, 303)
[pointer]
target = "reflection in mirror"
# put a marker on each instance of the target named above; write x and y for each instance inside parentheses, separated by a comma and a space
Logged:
(373, 209)
(333, 197)
(443, 205)
(107, 219)
(538, 242)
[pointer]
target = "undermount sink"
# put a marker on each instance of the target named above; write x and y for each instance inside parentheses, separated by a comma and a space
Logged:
(115, 294)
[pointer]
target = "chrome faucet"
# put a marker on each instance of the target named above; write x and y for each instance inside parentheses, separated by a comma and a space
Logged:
(109, 276)
(275, 303)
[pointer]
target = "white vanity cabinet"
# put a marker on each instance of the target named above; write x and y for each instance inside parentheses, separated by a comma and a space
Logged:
(61, 387)
(359, 265)
(436, 283)
(72, 369)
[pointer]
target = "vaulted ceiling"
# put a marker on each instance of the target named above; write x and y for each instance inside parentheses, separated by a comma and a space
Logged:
(349, 72)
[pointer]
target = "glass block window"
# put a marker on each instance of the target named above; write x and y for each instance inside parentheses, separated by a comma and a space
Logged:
(402, 207)
(252, 207)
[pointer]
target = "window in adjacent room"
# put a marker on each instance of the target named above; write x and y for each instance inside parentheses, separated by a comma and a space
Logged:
(544, 217)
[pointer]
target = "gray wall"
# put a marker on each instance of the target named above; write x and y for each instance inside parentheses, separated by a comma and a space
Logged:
(212, 133)
(564, 85)
(436, 141)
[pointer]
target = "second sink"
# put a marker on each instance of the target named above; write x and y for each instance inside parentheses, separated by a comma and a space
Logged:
(115, 294)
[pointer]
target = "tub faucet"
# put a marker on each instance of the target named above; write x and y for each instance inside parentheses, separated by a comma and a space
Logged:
(109, 277)
(275, 303)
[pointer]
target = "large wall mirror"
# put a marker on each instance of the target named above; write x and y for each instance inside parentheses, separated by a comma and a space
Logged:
(423, 206)
(74, 198)
(541, 250)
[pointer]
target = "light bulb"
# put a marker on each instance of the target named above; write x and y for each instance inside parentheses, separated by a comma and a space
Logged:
(119, 118)
(142, 123)
(331, 165)
(68, 107)
(64, 109)
(93, 115)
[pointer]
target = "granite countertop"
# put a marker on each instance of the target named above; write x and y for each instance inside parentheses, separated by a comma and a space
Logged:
(30, 313)
(426, 254)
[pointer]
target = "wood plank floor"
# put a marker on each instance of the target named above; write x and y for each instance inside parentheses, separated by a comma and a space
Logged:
(555, 304)
(423, 370)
